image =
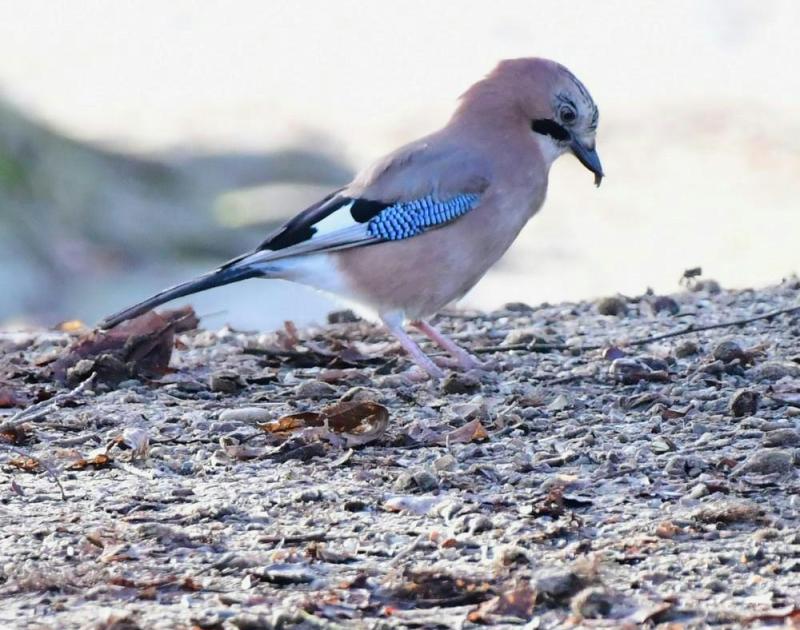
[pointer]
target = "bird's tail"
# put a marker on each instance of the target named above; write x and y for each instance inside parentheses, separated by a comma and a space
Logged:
(224, 275)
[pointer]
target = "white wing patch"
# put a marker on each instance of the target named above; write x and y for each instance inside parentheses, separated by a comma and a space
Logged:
(337, 220)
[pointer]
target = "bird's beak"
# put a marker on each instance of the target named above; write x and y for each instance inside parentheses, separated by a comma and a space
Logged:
(589, 158)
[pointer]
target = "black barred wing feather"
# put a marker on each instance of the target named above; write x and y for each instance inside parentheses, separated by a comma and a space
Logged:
(340, 222)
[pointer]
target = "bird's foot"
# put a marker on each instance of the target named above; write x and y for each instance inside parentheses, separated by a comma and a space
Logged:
(414, 351)
(464, 359)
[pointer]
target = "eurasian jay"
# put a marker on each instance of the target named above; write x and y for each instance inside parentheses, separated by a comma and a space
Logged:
(418, 228)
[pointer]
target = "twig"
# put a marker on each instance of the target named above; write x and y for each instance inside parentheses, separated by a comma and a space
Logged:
(691, 328)
(531, 347)
(48, 469)
(41, 409)
(295, 538)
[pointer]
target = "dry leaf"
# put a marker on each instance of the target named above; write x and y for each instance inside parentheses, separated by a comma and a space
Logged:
(13, 434)
(119, 553)
(28, 464)
(9, 398)
(243, 452)
(473, 431)
(72, 326)
(347, 423)
(430, 588)
(667, 529)
(139, 347)
(101, 460)
(519, 602)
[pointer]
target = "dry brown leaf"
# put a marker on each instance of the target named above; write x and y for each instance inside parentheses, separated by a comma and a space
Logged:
(121, 552)
(13, 434)
(28, 464)
(72, 326)
(790, 615)
(242, 452)
(291, 423)
(647, 611)
(519, 602)
(349, 423)
(9, 398)
(139, 347)
(101, 460)
(473, 431)
(432, 588)
(667, 529)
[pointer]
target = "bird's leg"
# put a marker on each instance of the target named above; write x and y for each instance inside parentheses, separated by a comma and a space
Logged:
(395, 326)
(465, 360)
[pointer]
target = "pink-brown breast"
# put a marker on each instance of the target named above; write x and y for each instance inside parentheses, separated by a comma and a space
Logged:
(420, 275)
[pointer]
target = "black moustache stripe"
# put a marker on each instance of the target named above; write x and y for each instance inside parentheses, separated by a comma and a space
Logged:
(550, 128)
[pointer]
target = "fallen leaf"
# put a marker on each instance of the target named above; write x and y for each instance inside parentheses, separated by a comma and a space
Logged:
(789, 614)
(430, 588)
(297, 449)
(243, 452)
(519, 602)
(13, 434)
(101, 460)
(347, 423)
(289, 424)
(28, 464)
(72, 326)
(667, 529)
(472, 431)
(119, 553)
(9, 398)
(141, 347)
(646, 612)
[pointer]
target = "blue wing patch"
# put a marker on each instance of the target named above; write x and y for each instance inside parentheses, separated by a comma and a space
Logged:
(339, 222)
(410, 218)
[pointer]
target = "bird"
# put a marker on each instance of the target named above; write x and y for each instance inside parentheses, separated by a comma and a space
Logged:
(419, 227)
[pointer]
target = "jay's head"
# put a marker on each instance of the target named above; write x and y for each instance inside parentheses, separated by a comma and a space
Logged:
(541, 98)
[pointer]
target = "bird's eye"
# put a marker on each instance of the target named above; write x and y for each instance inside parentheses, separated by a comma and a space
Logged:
(568, 115)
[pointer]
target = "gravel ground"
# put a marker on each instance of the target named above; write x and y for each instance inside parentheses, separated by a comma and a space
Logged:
(584, 478)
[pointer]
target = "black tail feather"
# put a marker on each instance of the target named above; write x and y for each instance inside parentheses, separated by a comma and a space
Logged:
(215, 278)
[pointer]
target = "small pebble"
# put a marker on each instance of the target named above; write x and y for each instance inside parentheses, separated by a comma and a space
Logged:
(686, 349)
(782, 437)
(225, 381)
(661, 304)
(425, 480)
(774, 371)
(708, 286)
(248, 415)
(744, 402)
(346, 316)
(592, 603)
(459, 383)
(727, 351)
(631, 371)
(558, 584)
(314, 390)
(445, 463)
(518, 307)
(613, 306)
(767, 461)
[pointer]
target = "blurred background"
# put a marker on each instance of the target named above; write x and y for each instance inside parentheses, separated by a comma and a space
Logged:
(142, 142)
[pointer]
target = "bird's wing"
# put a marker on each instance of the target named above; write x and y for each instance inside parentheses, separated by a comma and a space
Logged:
(416, 189)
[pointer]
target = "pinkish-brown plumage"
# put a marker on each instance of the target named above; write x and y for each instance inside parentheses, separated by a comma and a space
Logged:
(498, 146)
